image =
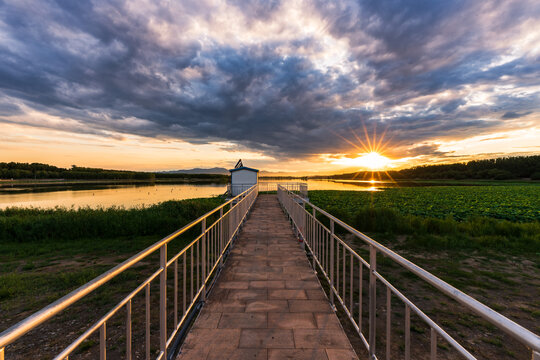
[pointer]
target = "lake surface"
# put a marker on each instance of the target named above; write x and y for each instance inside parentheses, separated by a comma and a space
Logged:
(139, 195)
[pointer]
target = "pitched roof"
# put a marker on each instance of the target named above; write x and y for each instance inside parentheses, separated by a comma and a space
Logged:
(244, 168)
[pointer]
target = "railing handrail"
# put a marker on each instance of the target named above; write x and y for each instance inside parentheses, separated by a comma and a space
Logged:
(17, 330)
(512, 328)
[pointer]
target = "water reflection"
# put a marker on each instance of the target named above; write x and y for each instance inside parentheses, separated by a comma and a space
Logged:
(124, 195)
(139, 195)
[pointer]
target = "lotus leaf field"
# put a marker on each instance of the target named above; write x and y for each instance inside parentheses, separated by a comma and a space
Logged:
(502, 217)
(519, 203)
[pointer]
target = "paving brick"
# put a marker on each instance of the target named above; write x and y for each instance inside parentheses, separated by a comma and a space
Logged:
(249, 276)
(238, 354)
(233, 284)
(207, 320)
(266, 338)
(297, 354)
(268, 284)
(243, 321)
(327, 321)
(291, 321)
(292, 276)
(267, 306)
(341, 354)
(287, 294)
(309, 284)
(327, 339)
(225, 305)
(250, 294)
(219, 338)
(316, 294)
(319, 306)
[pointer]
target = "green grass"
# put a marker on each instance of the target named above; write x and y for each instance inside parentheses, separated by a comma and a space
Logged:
(20, 225)
(45, 253)
(455, 217)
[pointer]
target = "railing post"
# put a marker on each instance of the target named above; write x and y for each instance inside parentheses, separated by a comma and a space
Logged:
(332, 263)
(2, 351)
(103, 341)
(147, 324)
(315, 241)
(303, 219)
(372, 303)
(163, 301)
(128, 330)
(535, 355)
(221, 243)
(203, 239)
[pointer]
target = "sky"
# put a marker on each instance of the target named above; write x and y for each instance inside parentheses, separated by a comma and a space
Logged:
(287, 86)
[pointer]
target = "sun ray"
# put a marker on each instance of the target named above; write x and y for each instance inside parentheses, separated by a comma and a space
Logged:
(366, 149)
(374, 148)
(348, 141)
(379, 146)
(367, 136)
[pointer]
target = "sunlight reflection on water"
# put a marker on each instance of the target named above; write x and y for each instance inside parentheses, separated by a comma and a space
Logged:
(131, 195)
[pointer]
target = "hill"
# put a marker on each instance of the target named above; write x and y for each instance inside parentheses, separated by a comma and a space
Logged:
(214, 170)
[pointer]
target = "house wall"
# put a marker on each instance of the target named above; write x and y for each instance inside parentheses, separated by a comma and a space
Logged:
(242, 180)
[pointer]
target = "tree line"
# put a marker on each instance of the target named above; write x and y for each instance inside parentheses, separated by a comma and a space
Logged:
(506, 168)
(14, 170)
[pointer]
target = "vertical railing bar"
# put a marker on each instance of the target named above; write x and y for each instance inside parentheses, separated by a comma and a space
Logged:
(128, 330)
(175, 293)
(337, 267)
(163, 301)
(372, 299)
(360, 284)
(343, 296)
(388, 321)
(332, 262)
(184, 285)
(351, 287)
(191, 273)
(2, 353)
(198, 264)
(407, 332)
(213, 250)
(221, 244)
(103, 341)
(433, 353)
(147, 297)
(328, 251)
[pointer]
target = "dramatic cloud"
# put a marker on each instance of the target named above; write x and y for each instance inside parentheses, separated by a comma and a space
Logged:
(289, 79)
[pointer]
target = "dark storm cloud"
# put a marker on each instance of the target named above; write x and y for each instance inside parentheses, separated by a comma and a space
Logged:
(111, 70)
(514, 115)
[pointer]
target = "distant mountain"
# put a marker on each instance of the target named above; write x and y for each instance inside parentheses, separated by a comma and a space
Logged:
(216, 170)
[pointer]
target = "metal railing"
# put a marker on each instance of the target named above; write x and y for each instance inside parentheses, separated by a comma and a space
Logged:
(199, 262)
(299, 188)
(342, 268)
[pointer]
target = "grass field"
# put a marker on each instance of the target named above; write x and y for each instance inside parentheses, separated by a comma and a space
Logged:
(444, 217)
(44, 254)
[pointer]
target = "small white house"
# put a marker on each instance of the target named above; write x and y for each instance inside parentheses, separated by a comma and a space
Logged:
(242, 178)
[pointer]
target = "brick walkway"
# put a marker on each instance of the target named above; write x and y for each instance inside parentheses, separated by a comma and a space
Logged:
(268, 303)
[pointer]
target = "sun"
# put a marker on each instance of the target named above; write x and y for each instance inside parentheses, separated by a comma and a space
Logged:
(372, 161)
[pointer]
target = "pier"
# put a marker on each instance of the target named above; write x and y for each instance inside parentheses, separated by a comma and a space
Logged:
(268, 302)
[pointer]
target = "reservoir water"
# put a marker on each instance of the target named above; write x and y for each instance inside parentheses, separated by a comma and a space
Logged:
(94, 196)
